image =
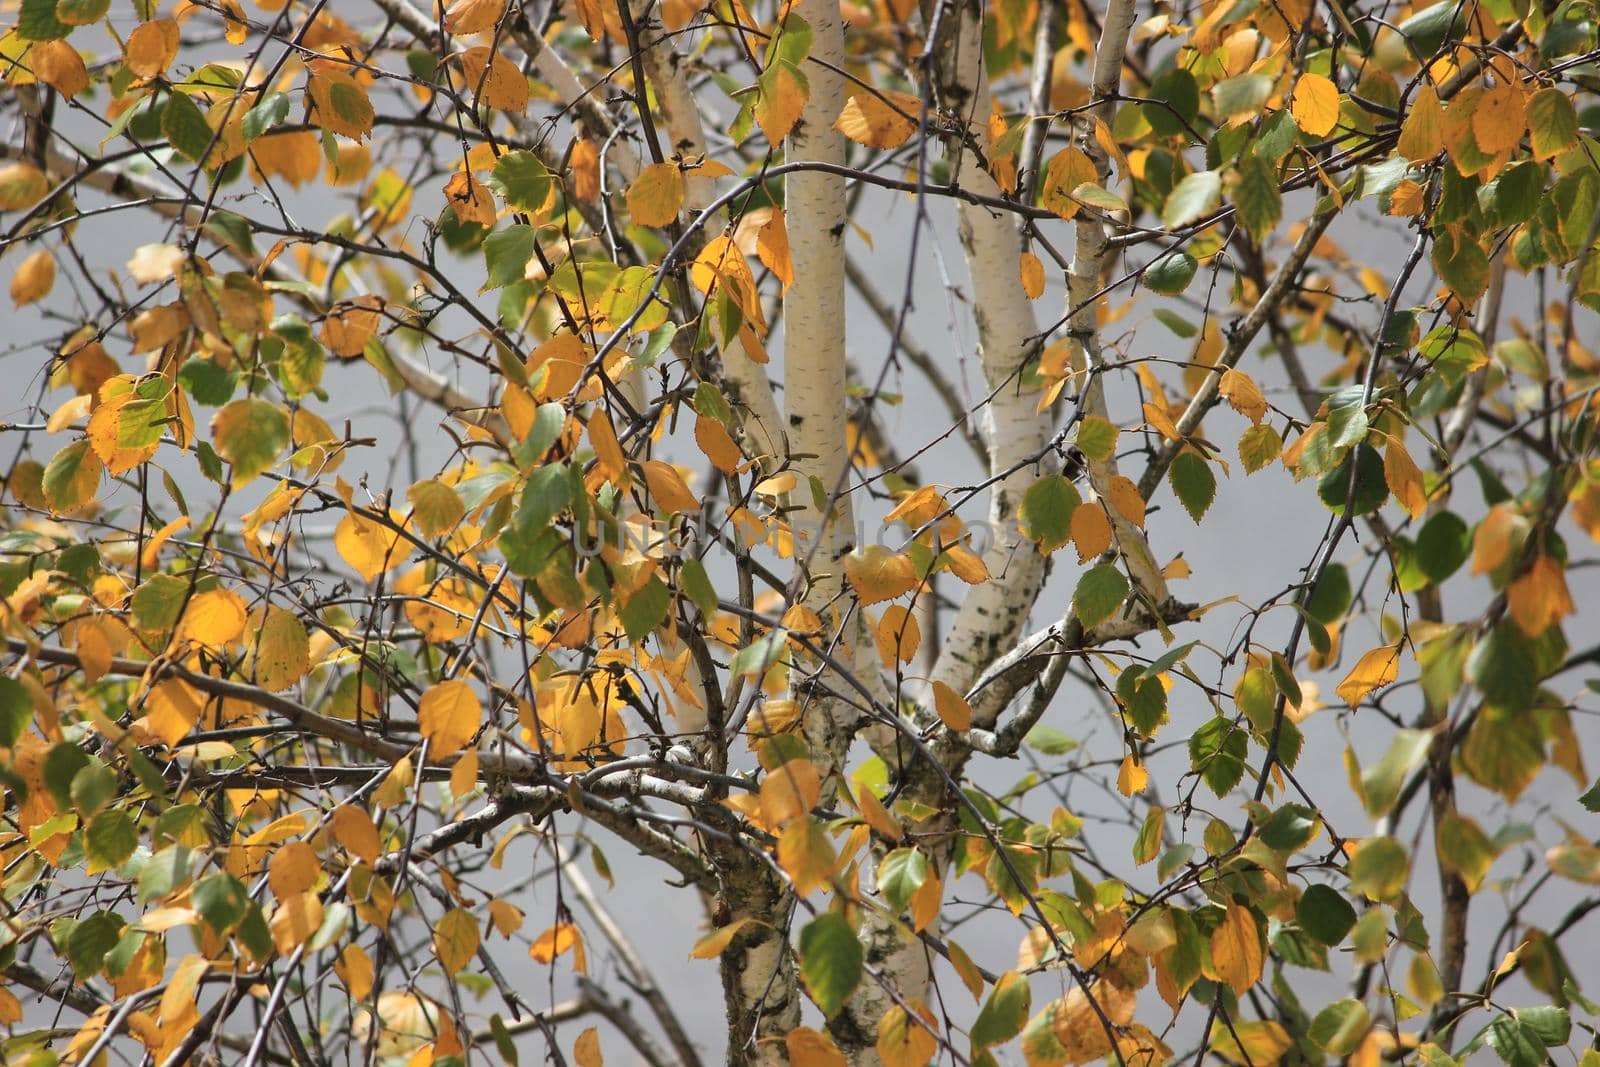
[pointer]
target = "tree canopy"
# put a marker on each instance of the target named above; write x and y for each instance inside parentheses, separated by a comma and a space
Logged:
(803, 463)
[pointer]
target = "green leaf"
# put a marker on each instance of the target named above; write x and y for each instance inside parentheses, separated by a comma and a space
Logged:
(1461, 263)
(1371, 489)
(1004, 1013)
(1097, 437)
(1147, 842)
(1258, 446)
(89, 941)
(1332, 596)
(1552, 122)
(1194, 483)
(1217, 751)
(16, 711)
(830, 961)
(72, 476)
(1340, 1026)
(506, 253)
(1552, 1024)
(1504, 667)
(1046, 511)
(184, 125)
(1324, 914)
(37, 21)
(220, 899)
(547, 494)
(697, 584)
(250, 433)
(900, 874)
(1464, 848)
(646, 609)
(1380, 785)
(164, 873)
(61, 765)
(759, 655)
(110, 839)
(1175, 103)
(1243, 94)
(522, 179)
(1100, 592)
(1379, 868)
(1443, 545)
(1591, 797)
(1516, 1043)
(1197, 194)
(1257, 202)
(1171, 274)
(270, 112)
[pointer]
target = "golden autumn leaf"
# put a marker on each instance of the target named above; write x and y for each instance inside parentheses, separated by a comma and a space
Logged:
(215, 618)
(1091, 530)
(1132, 777)
(586, 1049)
(447, 716)
(1243, 395)
(1538, 598)
(354, 830)
(809, 1048)
(1372, 672)
(716, 445)
(151, 47)
(58, 65)
(294, 920)
(656, 195)
(1032, 275)
(878, 574)
(354, 970)
(493, 79)
(339, 102)
(473, 16)
(368, 546)
(455, 939)
(1500, 118)
(556, 941)
(953, 709)
(1236, 949)
(1316, 105)
(879, 118)
(667, 488)
(897, 636)
(34, 277)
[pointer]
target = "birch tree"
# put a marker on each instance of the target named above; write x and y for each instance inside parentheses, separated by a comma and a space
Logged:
(469, 464)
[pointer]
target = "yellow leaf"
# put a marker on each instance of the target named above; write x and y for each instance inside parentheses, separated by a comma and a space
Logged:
(897, 636)
(782, 96)
(172, 709)
(607, 451)
(1500, 118)
(33, 279)
(1404, 478)
(790, 792)
(1091, 531)
(905, 1040)
(1126, 498)
(1372, 672)
(214, 619)
(1032, 273)
(877, 574)
(151, 47)
(473, 16)
(294, 920)
(667, 487)
(555, 941)
(953, 709)
(1132, 776)
(155, 263)
(455, 940)
(354, 968)
(293, 869)
(93, 648)
(58, 65)
(713, 439)
(494, 79)
(354, 830)
(507, 918)
(879, 118)
(448, 715)
(1236, 949)
(1316, 105)
(1422, 133)
(1242, 393)
(711, 945)
(368, 546)
(656, 195)
(1491, 541)
(806, 855)
(808, 1048)
(586, 1050)
(1538, 598)
(772, 247)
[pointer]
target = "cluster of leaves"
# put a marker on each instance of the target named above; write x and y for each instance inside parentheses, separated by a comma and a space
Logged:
(278, 723)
